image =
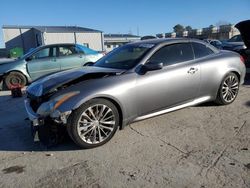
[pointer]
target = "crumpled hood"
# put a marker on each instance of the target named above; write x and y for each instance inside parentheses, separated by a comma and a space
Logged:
(53, 81)
(244, 28)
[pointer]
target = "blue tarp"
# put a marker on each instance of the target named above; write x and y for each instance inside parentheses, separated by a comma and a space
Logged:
(86, 50)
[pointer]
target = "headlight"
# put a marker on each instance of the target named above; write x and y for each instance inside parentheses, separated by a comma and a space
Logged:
(50, 106)
(62, 98)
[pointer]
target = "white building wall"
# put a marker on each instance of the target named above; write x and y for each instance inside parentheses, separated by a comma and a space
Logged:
(114, 42)
(13, 38)
(52, 38)
(9, 34)
(94, 40)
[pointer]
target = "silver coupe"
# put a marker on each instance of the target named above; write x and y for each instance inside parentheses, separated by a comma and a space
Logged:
(134, 82)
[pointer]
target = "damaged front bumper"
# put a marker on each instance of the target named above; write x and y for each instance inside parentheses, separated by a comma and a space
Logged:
(38, 120)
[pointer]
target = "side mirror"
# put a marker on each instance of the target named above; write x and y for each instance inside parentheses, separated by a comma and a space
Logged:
(89, 64)
(29, 58)
(150, 66)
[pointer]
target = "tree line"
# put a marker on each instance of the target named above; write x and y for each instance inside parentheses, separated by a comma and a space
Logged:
(180, 28)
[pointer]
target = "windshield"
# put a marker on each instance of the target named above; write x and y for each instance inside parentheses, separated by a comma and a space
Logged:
(29, 53)
(125, 57)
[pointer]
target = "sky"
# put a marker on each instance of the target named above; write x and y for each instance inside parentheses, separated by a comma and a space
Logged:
(143, 17)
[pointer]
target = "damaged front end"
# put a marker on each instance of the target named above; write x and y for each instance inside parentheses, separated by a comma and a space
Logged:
(46, 95)
(47, 122)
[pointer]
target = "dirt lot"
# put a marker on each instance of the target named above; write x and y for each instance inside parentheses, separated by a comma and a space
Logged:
(204, 146)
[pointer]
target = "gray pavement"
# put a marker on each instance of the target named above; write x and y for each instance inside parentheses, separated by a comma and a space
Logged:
(203, 146)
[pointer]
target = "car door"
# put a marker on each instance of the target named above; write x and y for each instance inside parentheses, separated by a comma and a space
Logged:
(177, 82)
(69, 58)
(42, 62)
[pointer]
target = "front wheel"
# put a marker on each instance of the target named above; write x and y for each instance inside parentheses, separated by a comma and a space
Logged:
(228, 90)
(14, 79)
(94, 123)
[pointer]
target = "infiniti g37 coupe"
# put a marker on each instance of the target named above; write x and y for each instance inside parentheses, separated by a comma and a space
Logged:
(134, 82)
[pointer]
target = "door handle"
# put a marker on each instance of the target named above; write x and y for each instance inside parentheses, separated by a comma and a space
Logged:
(192, 70)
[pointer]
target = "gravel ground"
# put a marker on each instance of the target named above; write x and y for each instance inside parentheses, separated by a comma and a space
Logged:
(203, 146)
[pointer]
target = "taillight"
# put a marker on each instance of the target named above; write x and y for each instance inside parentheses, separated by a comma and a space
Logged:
(242, 59)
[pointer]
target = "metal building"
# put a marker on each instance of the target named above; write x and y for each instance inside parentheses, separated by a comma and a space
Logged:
(28, 37)
(112, 41)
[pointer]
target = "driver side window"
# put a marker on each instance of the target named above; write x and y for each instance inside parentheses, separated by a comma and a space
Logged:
(44, 53)
(173, 54)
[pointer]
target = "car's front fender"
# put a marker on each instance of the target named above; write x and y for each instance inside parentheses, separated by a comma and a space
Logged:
(19, 66)
(121, 94)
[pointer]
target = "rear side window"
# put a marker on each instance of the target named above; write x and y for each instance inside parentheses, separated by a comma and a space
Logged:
(201, 50)
(174, 53)
(66, 50)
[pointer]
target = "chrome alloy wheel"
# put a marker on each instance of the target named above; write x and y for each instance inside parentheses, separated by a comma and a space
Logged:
(230, 88)
(96, 123)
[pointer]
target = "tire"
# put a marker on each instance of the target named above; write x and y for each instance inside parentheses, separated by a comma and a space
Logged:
(15, 78)
(228, 90)
(94, 123)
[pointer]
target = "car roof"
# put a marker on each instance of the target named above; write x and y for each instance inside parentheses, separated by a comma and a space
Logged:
(168, 40)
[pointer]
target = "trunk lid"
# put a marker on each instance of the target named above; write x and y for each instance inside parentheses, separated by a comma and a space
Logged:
(244, 28)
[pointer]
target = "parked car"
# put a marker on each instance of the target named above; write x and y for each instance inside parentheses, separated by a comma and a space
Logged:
(45, 60)
(134, 82)
(147, 37)
(234, 44)
(214, 42)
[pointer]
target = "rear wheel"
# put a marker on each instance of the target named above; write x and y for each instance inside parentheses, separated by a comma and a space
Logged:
(228, 90)
(14, 79)
(94, 123)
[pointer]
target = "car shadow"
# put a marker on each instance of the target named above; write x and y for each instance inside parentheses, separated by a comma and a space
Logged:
(15, 130)
(247, 103)
(247, 80)
(246, 83)
(207, 104)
